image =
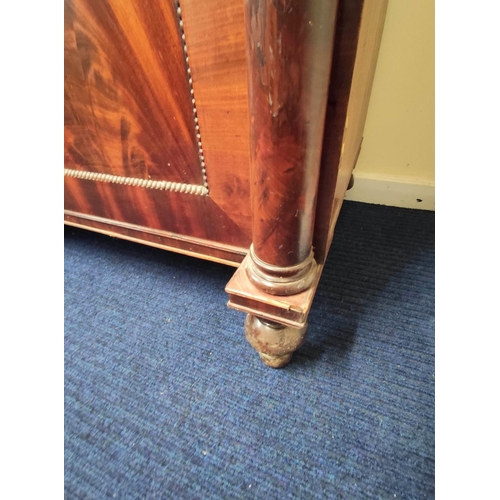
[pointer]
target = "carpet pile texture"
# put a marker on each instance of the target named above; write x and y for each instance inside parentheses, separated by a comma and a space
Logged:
(164, 398)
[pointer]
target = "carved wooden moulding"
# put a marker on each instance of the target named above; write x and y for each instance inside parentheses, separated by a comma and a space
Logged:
(278, 280)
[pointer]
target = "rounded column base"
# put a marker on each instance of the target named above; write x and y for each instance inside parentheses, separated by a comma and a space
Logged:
(277, 280)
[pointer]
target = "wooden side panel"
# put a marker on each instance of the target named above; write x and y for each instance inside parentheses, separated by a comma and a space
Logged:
(357, 41)
(344, 56)
(215, 36)
(158, 75)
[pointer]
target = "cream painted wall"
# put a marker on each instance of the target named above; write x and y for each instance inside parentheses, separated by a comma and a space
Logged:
(398, 143)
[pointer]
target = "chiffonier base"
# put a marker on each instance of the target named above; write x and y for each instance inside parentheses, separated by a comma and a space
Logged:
(211, 128)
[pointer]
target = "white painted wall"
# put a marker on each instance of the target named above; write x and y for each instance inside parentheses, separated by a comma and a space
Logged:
(396, 164)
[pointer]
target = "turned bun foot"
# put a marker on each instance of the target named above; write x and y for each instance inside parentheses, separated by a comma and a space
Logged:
(275, 361)
(274, 342)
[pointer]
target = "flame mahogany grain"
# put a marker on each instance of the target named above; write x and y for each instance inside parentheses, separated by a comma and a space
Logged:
(128, 112)
(128, 108)
(289, 46)
(267, 98)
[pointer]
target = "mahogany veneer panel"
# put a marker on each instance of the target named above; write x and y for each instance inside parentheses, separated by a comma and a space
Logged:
(128, 108)
(129, 112)
(126, 79)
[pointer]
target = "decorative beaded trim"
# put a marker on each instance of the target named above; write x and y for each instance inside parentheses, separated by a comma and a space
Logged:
(177, 187)
(193, 100)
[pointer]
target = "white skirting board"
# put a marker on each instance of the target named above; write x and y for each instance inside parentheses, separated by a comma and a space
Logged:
(393, 191)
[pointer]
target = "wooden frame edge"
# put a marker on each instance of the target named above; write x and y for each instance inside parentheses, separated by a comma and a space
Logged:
(193, 247)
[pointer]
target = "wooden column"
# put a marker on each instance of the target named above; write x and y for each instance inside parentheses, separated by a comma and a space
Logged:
(289, 50)
(289, 46)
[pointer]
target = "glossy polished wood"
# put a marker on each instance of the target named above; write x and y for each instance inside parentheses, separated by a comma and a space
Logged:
(358, 33)
(289, 45)
(211, 175)
(215, 41)
(128, 108)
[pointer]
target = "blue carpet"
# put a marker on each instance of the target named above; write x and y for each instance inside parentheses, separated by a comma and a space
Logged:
(164, 398)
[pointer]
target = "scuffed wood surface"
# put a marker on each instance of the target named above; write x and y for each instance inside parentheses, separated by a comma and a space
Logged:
(289, 45)
(289, 310)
